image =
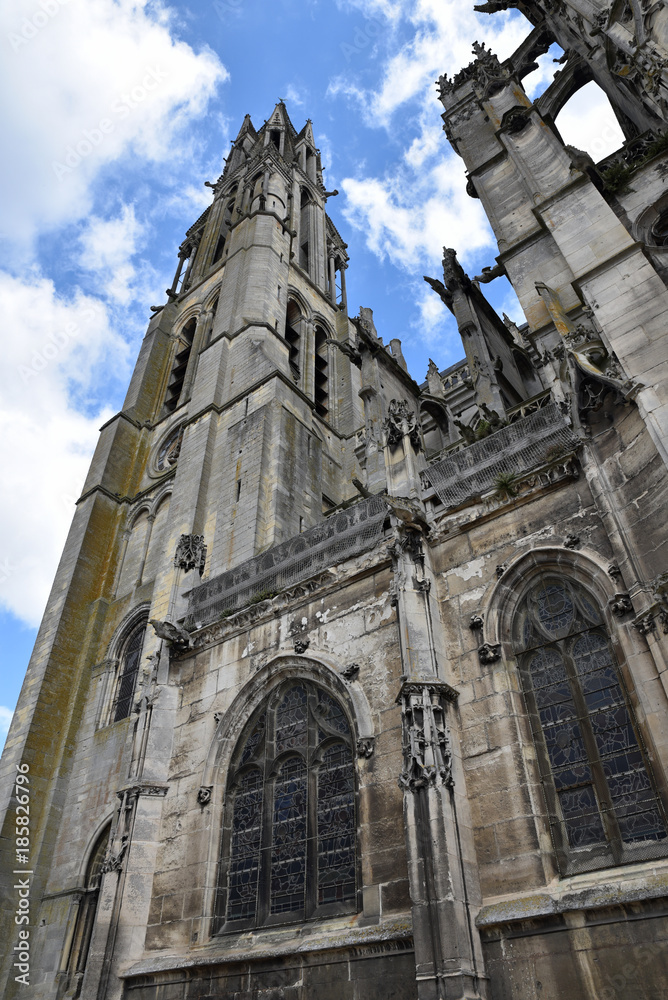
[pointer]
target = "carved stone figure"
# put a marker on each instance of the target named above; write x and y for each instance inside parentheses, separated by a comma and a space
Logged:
(191, 553)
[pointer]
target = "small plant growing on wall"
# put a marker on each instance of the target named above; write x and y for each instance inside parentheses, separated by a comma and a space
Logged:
(505, 485)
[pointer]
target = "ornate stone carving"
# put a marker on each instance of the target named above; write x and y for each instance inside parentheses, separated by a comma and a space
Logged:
(485, 72)
(614, 571)
(620, 605)
(489, 652)
(301, 645)
(427, 751)
(663, 620)
(572, 541)
(366, 746)
(401, 422)
(644, 625)
(351, 671)
(476, 622)
(190, 553)
(114, 862)
(501, 569)
(660, 585)
(204, 795)
(178, 639)
(516, 119)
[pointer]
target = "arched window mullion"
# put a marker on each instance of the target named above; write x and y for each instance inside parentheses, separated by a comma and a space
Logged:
(600, 784)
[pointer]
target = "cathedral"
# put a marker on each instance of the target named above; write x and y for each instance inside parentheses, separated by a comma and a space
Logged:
(353, 687)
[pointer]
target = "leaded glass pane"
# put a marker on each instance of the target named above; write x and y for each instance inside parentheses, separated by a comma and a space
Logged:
(244, 867)
(332, 716)
(291, 720)
(554, 607)
(288, 853)
(581, 816)
(336, 826)
(633, 798)
(253, 741)
(128, 678)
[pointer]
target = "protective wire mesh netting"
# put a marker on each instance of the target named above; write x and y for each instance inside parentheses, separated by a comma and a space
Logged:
(526, 444)
(340, 536)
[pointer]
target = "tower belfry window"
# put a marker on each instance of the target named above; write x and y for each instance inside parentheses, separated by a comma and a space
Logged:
(180, 365)
(321, 373)
(304, 229)
(289, 840)
(602, 804)
(293, 323)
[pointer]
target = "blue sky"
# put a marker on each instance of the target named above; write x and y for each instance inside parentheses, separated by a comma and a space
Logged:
(119, 111)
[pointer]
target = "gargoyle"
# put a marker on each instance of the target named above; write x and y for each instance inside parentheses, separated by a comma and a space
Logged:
(440, 289)
(347, 348)
(178, 638)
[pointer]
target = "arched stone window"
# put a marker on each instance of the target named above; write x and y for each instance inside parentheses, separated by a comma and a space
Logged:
(289, 838)
(87, 910)
(127, 673)
(321, 387)
(602, 804)
(293, 328)
(180, 365)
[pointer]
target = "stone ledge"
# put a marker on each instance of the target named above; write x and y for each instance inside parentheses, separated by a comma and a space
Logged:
(269, 943)
(581, 892)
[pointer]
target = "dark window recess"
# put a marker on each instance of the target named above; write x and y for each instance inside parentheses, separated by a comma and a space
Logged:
(178, 374)
(127, 677)
(321, 375)
(602, 804)
(275, 137)
(304, 220)
(289, 846)
(85, 919)
(220, 247)
(293, 322)
(303, 256)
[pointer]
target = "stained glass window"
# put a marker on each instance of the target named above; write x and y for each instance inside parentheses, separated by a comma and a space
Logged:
(602, 803)
(127, 678)
(289, 843)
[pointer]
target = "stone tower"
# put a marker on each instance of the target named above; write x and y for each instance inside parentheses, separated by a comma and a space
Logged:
(353, 687)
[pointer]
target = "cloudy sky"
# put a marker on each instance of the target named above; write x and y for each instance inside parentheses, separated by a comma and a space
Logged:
(116, 112)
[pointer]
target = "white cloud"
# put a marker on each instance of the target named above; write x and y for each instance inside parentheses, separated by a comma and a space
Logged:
(5, 720)
(107, 248)
(441, 35)
(293, 97)
(55, 349)
(99, 79)
(408, 217)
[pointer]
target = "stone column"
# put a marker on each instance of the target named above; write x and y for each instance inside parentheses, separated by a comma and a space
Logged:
(441, 861)
(344, 297)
